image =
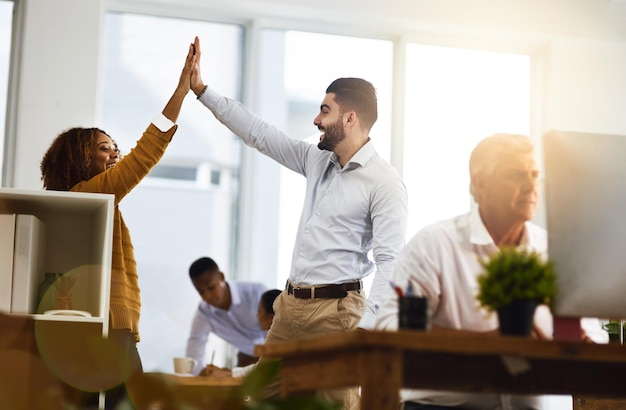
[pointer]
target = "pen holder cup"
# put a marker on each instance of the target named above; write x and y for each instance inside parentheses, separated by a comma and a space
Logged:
(413, 313)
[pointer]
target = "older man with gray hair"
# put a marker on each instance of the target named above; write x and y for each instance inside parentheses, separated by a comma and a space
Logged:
(441, 262)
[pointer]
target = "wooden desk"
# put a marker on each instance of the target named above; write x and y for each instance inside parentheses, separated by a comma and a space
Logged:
(383, 362)
(27, 381)
(168, 391)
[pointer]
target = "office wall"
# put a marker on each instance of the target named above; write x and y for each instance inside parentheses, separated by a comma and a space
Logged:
(57, 80)
(580, 45)
(586, 86)
(584, 43)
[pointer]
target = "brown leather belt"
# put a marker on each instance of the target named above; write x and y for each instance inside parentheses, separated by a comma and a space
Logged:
(337, 291)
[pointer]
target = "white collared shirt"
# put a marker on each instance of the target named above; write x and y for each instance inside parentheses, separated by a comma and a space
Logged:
(348, 211)
(442, 263)
(238, 325)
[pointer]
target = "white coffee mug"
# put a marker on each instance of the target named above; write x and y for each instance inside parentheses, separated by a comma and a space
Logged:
(184, 365)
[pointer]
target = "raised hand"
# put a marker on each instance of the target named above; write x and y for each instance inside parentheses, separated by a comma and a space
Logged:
(184, 83)
(196, 77)
(172, 108)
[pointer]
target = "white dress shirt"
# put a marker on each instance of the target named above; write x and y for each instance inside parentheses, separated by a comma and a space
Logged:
(238, 325)
(442, 262)
(348, 211)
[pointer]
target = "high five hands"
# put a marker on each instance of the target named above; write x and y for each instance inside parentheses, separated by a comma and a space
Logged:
(197, 86)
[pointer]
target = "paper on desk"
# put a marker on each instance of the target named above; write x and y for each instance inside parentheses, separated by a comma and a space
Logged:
(515, 365)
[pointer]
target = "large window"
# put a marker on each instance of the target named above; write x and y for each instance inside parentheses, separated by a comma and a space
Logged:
(6, 25)
(184, 209)
(454, 98)
(300, 66)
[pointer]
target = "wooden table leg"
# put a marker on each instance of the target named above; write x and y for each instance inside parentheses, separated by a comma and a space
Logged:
(381, 380)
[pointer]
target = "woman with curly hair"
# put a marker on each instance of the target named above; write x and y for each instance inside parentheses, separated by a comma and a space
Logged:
(74, 150)
(88, 160)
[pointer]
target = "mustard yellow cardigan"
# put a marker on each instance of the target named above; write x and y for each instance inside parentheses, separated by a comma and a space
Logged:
(125, 302)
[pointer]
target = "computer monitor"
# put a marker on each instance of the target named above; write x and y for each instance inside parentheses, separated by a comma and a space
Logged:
(585, 196)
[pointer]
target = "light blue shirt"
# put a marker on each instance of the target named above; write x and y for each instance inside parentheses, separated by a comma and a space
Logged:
(237, 325)
(347, 211)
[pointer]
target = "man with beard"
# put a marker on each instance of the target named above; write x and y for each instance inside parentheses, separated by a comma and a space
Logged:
(355, 203)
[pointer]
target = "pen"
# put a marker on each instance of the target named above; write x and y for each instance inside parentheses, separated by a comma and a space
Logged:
(212, 357)
(409, 290)
(396, 289)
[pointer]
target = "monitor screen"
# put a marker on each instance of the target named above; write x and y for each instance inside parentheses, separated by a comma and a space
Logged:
(585, 194)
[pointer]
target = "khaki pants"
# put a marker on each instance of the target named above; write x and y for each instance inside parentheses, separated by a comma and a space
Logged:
(300, 318)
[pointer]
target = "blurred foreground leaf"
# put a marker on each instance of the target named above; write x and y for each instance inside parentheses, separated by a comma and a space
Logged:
(260, 390)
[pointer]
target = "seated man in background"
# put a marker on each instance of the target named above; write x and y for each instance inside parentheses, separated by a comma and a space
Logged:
(228, 310)
(441, 262)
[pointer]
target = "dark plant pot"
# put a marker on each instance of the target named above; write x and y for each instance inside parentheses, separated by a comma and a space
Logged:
(516, 319)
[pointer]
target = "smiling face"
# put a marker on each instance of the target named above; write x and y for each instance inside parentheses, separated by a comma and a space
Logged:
(510, 190)
(330, 122)
(213, 289)
(105, 154)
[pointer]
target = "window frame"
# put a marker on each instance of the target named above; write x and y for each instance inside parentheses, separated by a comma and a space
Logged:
(400, 36)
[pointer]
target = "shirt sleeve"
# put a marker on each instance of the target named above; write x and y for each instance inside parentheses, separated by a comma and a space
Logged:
(593, 329)
(240, 372)
(413, 266)
(162, 122)
(389, 219)
(196, 342)
(257, 133)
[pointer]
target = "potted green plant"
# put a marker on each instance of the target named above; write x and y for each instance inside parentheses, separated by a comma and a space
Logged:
(514, 282)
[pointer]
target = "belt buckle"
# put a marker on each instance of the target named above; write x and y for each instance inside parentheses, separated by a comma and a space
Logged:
(301, 293)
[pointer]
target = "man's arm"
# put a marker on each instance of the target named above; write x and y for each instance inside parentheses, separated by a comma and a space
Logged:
(196, 84)
(389, 213)
(253, 130)
(197, 340)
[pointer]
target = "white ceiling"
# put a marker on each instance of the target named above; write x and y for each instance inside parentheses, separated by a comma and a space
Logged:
(596, 19)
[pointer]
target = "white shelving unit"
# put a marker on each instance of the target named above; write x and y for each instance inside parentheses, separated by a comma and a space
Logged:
(79, 242)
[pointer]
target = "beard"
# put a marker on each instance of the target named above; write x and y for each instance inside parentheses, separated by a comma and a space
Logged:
(333, 135)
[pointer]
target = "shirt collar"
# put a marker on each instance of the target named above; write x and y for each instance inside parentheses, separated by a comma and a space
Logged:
(480, 236)
(360, 158)
(235, 298)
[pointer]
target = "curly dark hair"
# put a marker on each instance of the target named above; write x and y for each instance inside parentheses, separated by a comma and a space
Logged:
(68, 160)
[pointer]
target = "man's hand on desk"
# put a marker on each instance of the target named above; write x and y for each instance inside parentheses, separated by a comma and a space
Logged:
(214, 371)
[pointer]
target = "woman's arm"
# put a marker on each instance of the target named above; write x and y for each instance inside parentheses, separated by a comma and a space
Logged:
(172, 108)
